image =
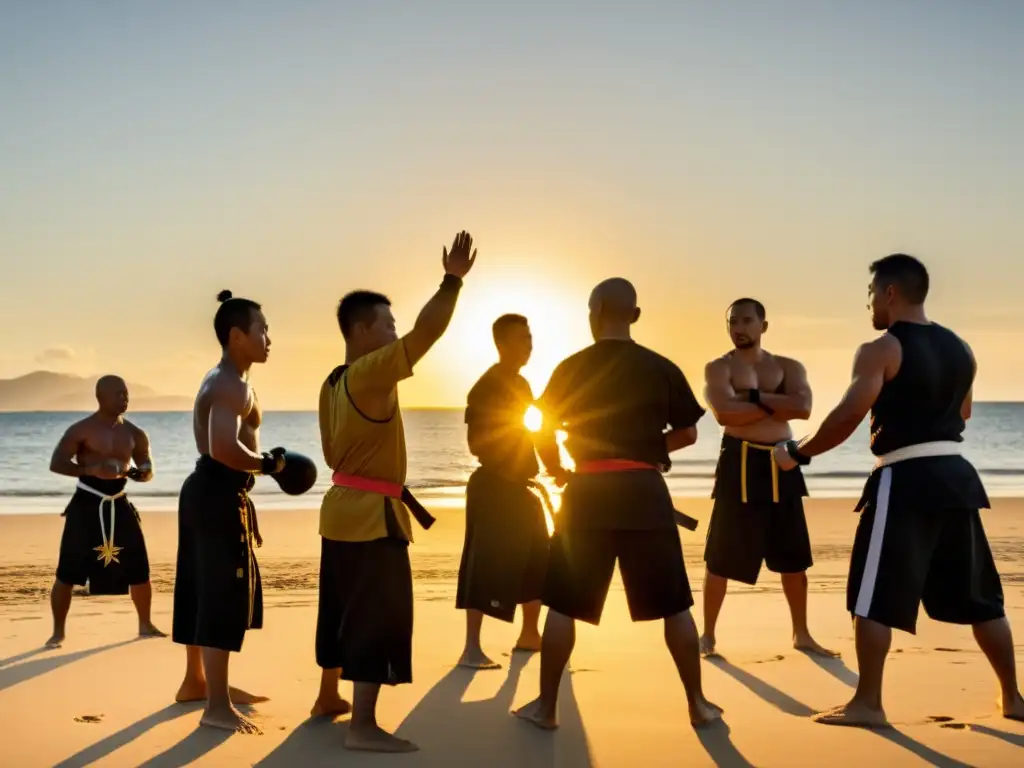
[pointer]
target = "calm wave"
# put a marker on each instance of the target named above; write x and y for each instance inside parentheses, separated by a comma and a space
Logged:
(439, 462)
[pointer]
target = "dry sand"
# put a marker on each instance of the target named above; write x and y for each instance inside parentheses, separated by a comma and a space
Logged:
(106, 698)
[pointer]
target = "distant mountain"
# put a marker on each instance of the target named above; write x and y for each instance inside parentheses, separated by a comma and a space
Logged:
(48, 391)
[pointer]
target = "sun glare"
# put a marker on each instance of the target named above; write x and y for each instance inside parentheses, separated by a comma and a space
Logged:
(557, 317)
(532, 419)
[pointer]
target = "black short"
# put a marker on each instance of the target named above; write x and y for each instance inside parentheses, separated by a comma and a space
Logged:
(758, 516)
(906, 553)
(80, 560)
(365, 607)
(504, 557)
(218, 594)
(582, 560)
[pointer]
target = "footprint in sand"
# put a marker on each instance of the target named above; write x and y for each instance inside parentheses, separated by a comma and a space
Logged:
(582, 669)
(778, 657)
(957, 726)
(89, 719)
(940, 718)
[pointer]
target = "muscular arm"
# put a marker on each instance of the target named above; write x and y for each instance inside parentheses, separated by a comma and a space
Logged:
(62, 462)
(795, 402)
(869, 367)
(142, 457)
(729, 410)
(230, 402)
(433, 320)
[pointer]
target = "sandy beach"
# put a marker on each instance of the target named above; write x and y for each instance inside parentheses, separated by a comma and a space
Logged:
(105, 697)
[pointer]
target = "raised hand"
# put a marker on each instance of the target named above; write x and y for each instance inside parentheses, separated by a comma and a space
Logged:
(460, 259)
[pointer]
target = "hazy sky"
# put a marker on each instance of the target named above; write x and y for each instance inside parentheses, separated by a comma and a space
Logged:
(150, 156)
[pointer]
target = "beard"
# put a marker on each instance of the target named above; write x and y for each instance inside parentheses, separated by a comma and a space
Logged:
(743, 343)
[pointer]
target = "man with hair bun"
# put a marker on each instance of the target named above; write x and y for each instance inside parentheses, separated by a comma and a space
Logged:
(217, 591)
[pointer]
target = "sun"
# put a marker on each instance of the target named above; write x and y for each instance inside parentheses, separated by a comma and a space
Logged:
(533, 419)
(557, 315)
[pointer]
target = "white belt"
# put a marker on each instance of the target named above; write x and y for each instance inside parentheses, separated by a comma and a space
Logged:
(107, 551)
(919, 451)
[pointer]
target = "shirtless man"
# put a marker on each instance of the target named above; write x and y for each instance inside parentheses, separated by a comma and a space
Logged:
(99, 451)
(758, 514)
(218, 595)
(920, 537)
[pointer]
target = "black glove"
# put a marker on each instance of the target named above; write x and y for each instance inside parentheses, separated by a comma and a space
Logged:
(273, 462)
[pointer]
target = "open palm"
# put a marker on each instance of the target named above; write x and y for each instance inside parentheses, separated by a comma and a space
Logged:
(460, 259)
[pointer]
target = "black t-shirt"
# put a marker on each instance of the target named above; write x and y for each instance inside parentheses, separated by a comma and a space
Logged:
(495, 409)
(614, 399)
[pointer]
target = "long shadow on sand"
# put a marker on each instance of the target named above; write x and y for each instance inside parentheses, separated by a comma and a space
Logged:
(452, 732)
(12, 674)
(113, 742)
(791, 706)
(1016, 739)
(717, 743)
(835, 667)
(198, 743)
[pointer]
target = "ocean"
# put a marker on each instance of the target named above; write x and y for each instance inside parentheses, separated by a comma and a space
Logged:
(439, 461)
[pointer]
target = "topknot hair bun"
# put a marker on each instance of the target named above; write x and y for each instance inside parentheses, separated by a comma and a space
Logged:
(223, 296)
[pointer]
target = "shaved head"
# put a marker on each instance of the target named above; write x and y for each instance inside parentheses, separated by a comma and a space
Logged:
(613, 306)
(614, 298)
(112, 394)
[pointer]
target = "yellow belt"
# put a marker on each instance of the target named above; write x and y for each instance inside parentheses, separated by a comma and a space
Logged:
(743, 469)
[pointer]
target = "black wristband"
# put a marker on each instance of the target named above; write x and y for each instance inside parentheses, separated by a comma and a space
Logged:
(754, 396)
(451, 282)
(794, 451)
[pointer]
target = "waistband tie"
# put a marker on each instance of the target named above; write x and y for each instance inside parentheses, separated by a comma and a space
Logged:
(745, 445)
(107, 551)
(385, 488)
(919, 451)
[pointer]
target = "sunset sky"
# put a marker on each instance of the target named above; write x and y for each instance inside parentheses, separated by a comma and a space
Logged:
(153, 154)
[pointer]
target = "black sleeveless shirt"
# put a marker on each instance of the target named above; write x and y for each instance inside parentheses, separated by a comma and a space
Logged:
(921, 404)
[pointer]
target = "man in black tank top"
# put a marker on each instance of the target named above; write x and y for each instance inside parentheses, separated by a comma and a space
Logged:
(920, 536)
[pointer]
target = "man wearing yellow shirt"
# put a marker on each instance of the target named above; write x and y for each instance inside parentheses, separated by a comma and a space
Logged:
(364, 622)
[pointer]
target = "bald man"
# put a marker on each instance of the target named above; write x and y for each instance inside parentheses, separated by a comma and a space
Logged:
(614, 399)
(102, 543)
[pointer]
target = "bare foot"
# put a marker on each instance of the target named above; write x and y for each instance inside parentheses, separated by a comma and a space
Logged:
(538, 714)
(703, 712)
(333, 706)
(56, 641)
(229, 720)
(808, 644)
(149, 630)
(707, 646)
(373, 738)
(195, 690)
(1014, 709)
(854, 714)
(238, 696)
(477, 659)
(528, 643)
